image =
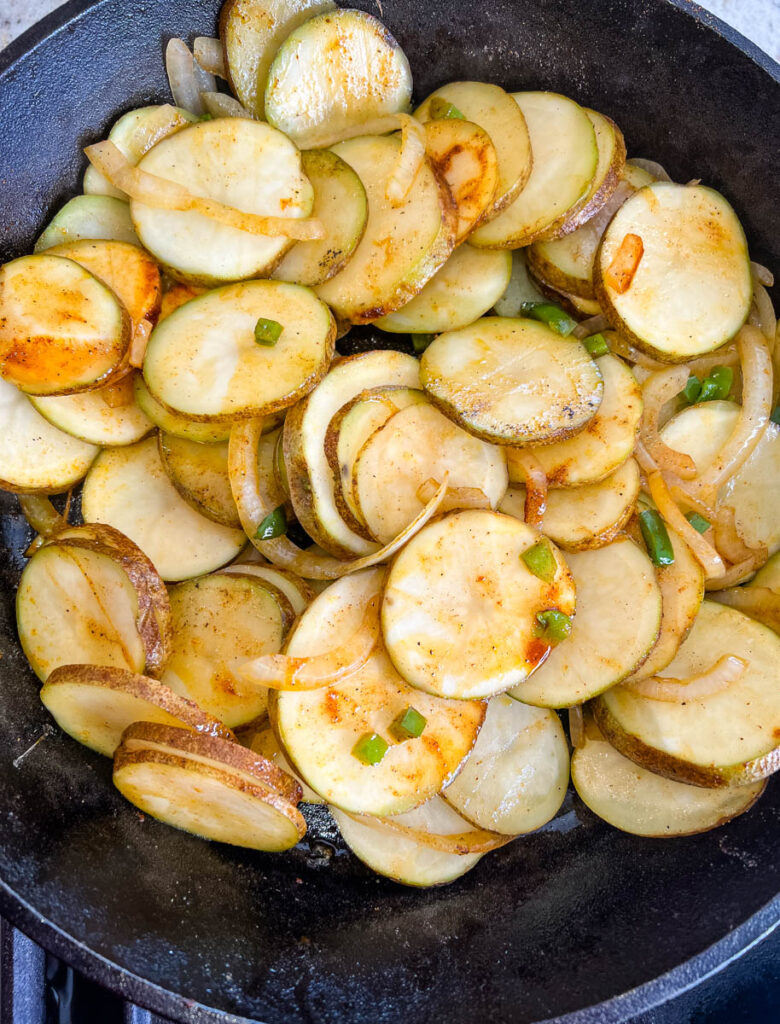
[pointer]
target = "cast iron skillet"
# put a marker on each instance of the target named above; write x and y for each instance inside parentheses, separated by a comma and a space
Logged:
(573, 916)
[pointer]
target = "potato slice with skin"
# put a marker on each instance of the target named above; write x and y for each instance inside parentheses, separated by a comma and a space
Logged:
(265, 743)
(466, 287)
(607, 440)
(332, 73)
(204, 158)
(515, 778)
(312, 484)
(173, 423)
(220, 622)
(36, 457)
(203, 361)
(415, 445)
(89, 217)
(340, 204)
(297, 591)
(318, 729)
(199, 473)
(492, 109)
(729, 738)
(512, 382)
(601, 649)
(129, 489)
(90, 418)
(584, 517)
(96, 704)
(460, 605)
(692, 289)
(466, 158)
(642, 803)
(563, 142)
(399, 856)
(403, 245)
(61, 329)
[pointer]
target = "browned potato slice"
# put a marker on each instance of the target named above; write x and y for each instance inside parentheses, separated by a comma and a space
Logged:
(466, 158)
(199, 473)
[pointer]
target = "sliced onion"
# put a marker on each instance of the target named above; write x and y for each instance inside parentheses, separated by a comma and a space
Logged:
(462, 843)
(284, 672)
(455, 498)
(620, 347)
(141, 334)
(704, 552)
(734, 575)
(209, 55)
(726, 670)
(253, 494)
(762, 274)
(168, 195)
(119, 393)
(186, 78)
(727, 356)
(759, 602)
(593, 325)
(535, 488)
(576, 726)
(219, 104)
(657, 390)
(762, 313)
(728, 540)
(651, 166)
(410, 159)
(42, 516)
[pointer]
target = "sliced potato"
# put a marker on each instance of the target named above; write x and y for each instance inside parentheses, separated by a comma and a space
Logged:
(332, 73)
(403, 245)
(265, 743)
(96, 704)
(297, 591)
(516, 777)
(199, 472)
(521, 288)
(312, 483)
(204, 362)
(617, 622)
(204, 158)
(584, 517)
(466, 287)
(513, 382)
(495, 111)
(606, 442)
(340, 204)
(729, 738)
(692, 289)
(460, 605)
(466, 158)
(129, 489)
(769, 575)
(642, 803)
(176, 294)
(415, 445)
(701, 431)
(402, 857)
(61, 329)
(89, 417)
(251, 32)
(89, 217)
(563, 142)
(173, 423)
(319, 728)
(34, 455)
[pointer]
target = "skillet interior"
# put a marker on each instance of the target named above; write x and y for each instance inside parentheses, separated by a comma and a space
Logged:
(561, 920)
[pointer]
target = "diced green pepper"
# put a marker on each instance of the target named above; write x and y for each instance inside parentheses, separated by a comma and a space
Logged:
(690, 393)
(267, 332)
(553, 625)
(717, 384)
(370, 748)
(699, 523)
(408, 725)
(274, 525)
(557, 319)
(440, 109)
(421, 341)
(596, 344)
(656, 538)
(540, 560)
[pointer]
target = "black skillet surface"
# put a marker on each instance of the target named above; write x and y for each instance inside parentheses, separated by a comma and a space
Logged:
(570, 917)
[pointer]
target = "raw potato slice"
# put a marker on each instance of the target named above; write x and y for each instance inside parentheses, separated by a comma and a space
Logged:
(265, 743)
(496, 112)
(682, 592)
(563, 142)
(466, 158)
(319, 728)
(220, 622)
(349, 430)
(199, 473)
(91, 217)
(416, 445)
(607, 440)
(617, 622)
(692, 289)
(460, 605)
(729, 738)
(521, 288)
(466, 287)
(34, 455)
(90, 418)
(515, 778)
(513, 382)
(297, 591)
(204, 158)
(402, 858)
(312, 483)
(645, 804)
(701, 431)
(403, 245)
(61, 329)
(340, 204)
(332, 73)
(95, 705)
(173, 423)
(584, 517)
(129, 489)
(203, 361)
(251, 32)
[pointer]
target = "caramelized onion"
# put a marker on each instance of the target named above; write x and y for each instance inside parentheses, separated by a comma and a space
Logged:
(759, 602)
(704, 552)
(726, 670)
(576, 726)
(762, 274)
(186, 77)
(734, 575)
(620, 347)
(535, 487)
(42, 516)
(593, 325)
(728, 540)
(657, 390)
(141, 334)
(410, 159)
(455, 498)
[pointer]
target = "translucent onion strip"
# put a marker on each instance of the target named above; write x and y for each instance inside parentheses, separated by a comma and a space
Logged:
(704, 552)
(42, 516)
(657, 390)
(726, 670)
(762, 274)
(410, 159)
(219, 104)
(463, 843)
(759, 602)
(186, 77)
(576, 726)
(455, 498)
(651, 166)
(209, 55)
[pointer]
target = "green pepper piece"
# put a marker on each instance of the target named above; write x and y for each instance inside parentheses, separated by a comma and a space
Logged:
(370, 748)
(440, 109)
(541, 561)
(717, 384)
(553, 625)
(557, 319)
(699, 523)
(690, 393)
(408, 725)
(267, 332)
(596, 344)
(656, 538)
(274, 525)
